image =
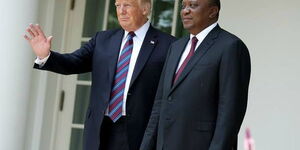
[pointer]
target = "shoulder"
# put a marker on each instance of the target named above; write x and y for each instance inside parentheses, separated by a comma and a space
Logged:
(162, 35)
(107, 33)
(228, 38)
(182, 41)
(231, 43)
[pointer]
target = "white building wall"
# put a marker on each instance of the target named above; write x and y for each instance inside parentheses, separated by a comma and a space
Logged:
(270, 29)
(15, 61)
(45, 86)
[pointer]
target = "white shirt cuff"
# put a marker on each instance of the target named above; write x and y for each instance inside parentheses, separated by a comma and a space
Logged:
(41, 62)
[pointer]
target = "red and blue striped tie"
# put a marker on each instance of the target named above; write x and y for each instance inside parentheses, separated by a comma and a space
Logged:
(117, 93)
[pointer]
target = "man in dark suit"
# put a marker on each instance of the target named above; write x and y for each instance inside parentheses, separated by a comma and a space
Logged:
(202, 94)
(126, 65)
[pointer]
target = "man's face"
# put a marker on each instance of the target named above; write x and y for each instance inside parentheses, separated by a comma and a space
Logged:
(195, 15)
(131, 14)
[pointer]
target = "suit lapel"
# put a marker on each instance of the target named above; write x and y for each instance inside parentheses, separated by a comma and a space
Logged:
(200, 52)
(175, 56)
(147, 47)
(114, 46)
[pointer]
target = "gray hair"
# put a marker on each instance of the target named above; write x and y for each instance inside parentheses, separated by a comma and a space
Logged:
(147, 3)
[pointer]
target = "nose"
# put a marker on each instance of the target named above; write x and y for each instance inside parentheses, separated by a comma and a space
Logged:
(122, 9)
(186, 11)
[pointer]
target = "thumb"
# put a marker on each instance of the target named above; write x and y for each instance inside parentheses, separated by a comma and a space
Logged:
(49, 39)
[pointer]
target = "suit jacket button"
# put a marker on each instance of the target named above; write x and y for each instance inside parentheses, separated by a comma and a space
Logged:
(169, 98)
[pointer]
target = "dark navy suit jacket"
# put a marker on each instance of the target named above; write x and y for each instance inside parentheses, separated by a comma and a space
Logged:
(205, 107)
(100, 56)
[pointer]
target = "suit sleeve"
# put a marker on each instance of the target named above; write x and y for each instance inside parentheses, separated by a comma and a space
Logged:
(150, 136)
(80, 61)
(234, 75)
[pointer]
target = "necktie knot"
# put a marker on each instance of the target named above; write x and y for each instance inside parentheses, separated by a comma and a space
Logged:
(131, 34)
(194, 40)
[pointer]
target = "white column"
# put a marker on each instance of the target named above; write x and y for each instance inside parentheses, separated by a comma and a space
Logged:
(16, 61)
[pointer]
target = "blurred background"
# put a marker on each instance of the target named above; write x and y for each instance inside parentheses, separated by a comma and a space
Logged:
(46, 111)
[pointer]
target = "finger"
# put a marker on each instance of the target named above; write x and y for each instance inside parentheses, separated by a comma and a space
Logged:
(39, 30)
(32, 27)
(26, 37)
(30, 32)
(49, 39)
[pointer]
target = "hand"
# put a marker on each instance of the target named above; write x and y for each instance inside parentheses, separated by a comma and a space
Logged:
(38, 41)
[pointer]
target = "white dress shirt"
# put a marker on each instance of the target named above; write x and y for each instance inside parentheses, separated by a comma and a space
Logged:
(200, 36)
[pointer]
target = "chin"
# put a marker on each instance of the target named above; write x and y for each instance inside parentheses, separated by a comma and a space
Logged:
(187, 27)
(123, 25)
(126, 28)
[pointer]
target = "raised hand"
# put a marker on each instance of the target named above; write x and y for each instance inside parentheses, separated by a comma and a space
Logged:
(38, 41)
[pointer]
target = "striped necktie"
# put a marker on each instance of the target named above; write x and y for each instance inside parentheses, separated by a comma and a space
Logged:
(188, 57)
(117, 93)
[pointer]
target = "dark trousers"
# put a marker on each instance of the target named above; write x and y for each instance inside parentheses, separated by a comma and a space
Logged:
(113, 136)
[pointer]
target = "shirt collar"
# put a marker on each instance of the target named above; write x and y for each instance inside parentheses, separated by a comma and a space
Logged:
(201, 35)
(139, 33)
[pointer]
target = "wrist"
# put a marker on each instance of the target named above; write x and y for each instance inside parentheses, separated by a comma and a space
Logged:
(43, 56)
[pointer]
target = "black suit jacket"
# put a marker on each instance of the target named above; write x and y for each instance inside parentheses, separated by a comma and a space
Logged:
(100, 56)
(204, 109)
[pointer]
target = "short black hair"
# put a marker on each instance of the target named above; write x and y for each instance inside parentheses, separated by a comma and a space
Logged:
(215, 3)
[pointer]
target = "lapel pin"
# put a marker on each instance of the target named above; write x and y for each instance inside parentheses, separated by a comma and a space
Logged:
(152, 42)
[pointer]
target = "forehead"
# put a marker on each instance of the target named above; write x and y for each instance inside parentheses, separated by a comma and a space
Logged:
(128, 1)
(184, 1)
(194, 1)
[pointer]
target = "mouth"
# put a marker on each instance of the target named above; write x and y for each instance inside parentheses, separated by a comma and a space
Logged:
(124, 19)
(186, 19)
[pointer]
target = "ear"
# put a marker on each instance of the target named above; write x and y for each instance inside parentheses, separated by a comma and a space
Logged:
(146, 9)
(214, 11)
